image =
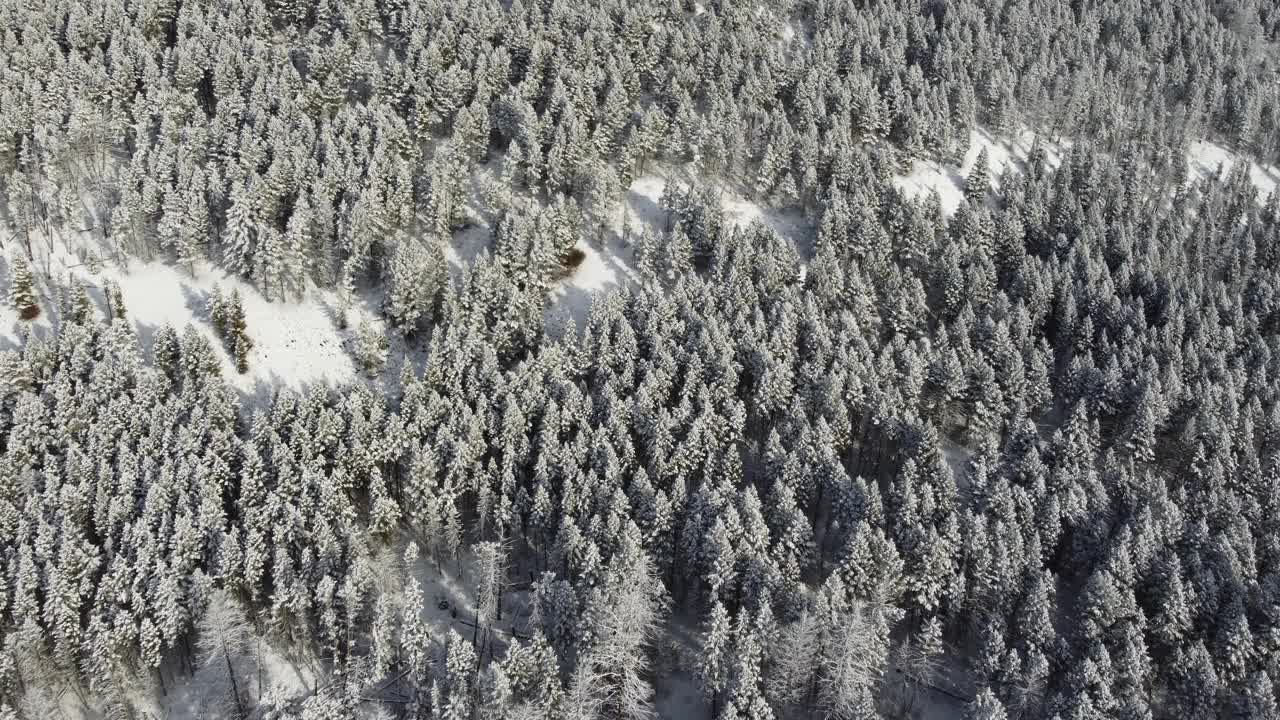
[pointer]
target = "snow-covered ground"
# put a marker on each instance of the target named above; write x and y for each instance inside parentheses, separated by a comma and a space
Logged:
(200, 695)
(642, 205)
(205, 694)
(603, 268)
(466, 245)
(791, 225)
(1204, 158)
(957, 457)
(609, 260)
(449, 599)
(1011, 153)
(676, 691)
(297, 343)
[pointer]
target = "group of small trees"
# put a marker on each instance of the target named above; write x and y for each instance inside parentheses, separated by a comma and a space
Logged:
(226, 313)
(73, 301)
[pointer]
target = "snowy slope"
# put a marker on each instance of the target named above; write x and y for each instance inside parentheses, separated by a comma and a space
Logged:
(646, 191)
(1006, 153)
(609, 261)
(602, 269)
(1204, 158)
(296, 343)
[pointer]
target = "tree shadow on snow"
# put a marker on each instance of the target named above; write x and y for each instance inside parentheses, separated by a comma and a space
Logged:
(574, 303)
(197, 302)
(646, 210)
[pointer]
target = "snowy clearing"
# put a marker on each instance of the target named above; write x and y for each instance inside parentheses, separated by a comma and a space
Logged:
(449, 600)
(642, 205)
(608, 260)
(677, 693)
(296, 344)
(1204, 158)
(1004, 153)
(602, 269)
(466, 245)
(957, 457)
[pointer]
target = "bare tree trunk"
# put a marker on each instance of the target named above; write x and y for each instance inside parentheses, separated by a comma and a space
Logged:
(235, 687)
(258, 661)
(484, 640)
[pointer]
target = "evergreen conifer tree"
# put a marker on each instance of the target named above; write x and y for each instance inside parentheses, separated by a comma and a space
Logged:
(22, 296)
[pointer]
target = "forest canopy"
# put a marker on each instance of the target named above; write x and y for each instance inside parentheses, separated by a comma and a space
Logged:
(1019, 460)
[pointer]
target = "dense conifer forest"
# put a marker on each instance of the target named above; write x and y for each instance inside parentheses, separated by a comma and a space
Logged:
(1017, 461)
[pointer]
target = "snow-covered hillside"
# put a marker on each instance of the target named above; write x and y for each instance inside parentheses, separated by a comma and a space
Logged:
(295, 343)
(925, 176)
(1205, 158)
(298, 343)
(609, 262)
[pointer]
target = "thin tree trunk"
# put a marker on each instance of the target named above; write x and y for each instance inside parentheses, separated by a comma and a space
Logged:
(258, 648)
(231, 673)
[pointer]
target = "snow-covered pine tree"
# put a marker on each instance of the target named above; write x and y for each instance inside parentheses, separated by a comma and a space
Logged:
(22, 296)
(217, 307)
(237, 332)
(417, 275)
(370, 348)
(714, 656)
(239, 242)
(116, 309)
(978, 184)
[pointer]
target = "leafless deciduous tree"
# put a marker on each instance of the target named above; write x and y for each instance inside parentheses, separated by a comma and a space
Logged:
(223, 637)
